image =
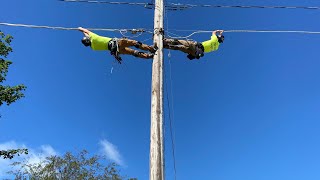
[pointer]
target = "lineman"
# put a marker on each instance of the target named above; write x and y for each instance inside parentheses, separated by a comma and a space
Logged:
(116, 46)
(195, 50)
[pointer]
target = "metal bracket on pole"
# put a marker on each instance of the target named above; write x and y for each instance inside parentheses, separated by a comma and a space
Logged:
(159, 31)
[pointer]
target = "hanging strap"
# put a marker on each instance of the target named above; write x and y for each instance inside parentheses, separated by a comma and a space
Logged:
(113, 46)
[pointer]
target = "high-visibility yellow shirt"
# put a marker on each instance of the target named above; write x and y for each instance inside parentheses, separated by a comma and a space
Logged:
(99, 42)
(211, 45)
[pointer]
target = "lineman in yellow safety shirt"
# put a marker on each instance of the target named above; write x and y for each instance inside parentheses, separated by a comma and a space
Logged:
(116, 46)
(195, 50)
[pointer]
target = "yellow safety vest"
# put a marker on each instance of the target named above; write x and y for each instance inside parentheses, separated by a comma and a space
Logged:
(99, 42)
(211, 45)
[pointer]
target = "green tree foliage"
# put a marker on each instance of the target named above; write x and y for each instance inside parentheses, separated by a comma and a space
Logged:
(80, 166)
(8, 94)
(9, 154)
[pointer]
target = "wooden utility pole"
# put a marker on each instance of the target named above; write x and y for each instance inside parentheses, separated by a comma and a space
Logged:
(156, 132)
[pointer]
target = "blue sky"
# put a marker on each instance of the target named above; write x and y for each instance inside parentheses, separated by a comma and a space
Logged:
(248, 111)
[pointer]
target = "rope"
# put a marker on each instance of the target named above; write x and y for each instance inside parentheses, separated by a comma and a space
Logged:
(171, 133)
(178, 6)
(239, 31)
(124, 32)
(65, 28)
(171, 128)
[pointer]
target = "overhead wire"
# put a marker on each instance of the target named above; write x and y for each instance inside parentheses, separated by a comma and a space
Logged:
(243, 6)
(150, 31)
(179, 6)
(107, 2)
(238, 31)
(53, 27)
(269, 31)
(72, 28)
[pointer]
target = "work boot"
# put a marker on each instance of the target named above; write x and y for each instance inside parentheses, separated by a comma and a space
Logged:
(136, 53)
(150, 56)
(154, 48)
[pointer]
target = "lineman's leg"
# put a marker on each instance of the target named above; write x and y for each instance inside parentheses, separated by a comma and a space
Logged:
(127, 42)
(177, 42)
(191, 46)
(169, 42)
(186, 43)
(180, 45)
(135, 53)
(137, 44)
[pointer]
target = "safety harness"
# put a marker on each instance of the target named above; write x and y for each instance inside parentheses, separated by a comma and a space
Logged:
(199, 52)
(113, 46)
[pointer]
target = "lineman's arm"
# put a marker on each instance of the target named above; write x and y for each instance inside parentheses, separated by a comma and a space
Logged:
(86, 32)
(217, 31)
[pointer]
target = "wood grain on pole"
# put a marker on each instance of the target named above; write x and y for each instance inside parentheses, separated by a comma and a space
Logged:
(156, 131)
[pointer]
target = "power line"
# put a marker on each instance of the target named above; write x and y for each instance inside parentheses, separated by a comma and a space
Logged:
(246, 7)
(140, 30)
(72, 28)
(238, 31)
(143, 4)
(35, 26)
(269, 31)
(179, 6)
(109, 2)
